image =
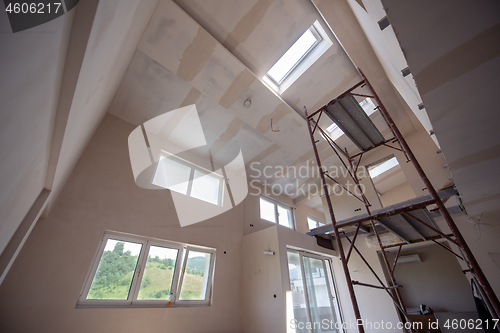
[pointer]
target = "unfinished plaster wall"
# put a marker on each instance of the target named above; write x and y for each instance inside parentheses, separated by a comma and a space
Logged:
(40, 292)
(264, 276)
(398, 194)
(389, 53)
(454, 58)
(437, 281)
(27, 116)
(116, 30)
(374, 304)
(262, 296)
(483, 238)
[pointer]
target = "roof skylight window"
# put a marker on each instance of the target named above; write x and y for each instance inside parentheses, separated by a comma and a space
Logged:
(383, 167)
(368, 106)
(335, 132)
(295, 54)
(306, 50)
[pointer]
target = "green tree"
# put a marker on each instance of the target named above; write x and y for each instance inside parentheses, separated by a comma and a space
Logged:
(115, 270)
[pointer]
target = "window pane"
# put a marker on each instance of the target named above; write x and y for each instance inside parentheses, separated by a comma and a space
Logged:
(172, 175)
(298, 296)
(206, 187)
(318, 292)
(115, 272)
(285, 216)
(267, 211)
(159, 273)
(312, 223)
(292, 56)
(195, 282)
(383, 167)
(368, 106)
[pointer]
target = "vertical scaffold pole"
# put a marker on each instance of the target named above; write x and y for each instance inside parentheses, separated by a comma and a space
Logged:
(382, 250)
(340, 248)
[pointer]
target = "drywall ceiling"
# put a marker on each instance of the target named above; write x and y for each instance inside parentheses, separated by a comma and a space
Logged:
(116, 29)
(216, 61)
(158, 56)
(28, 109)
(455, 59)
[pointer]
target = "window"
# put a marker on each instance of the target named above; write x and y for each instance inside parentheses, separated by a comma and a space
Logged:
(135, 271)
(183, 177)
(335, 132)
(314, 223)
(275, 212)
(368, 106)
(313, 43)
(383, 167)
(314, 298)
(295, 54)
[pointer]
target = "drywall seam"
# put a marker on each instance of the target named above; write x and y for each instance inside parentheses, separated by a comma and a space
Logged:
(279, 112)
(266, 152)
(196, 55)
(480, 156)
(240, 84)
(191, 98)
(247, 25)
(459, 61)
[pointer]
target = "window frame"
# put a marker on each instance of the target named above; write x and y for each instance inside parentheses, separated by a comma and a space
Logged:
(180, 302)
(319, 39)
(138, 275)
(149, 302)
(276, 203)
(194, 168)
(330, 282)
(319, 223)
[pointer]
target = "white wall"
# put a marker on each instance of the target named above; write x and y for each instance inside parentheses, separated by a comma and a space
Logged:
(451, 48)
(29, 93)
(261, 280)
(437, 281)
(40, 292)
(264, 276)
(398, 194)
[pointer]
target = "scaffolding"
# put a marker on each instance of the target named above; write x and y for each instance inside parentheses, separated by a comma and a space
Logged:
(411, 221)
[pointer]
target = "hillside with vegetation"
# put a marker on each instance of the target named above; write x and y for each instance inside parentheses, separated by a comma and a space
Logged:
(114, 276)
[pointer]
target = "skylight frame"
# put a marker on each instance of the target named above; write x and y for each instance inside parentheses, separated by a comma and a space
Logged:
(319, 39)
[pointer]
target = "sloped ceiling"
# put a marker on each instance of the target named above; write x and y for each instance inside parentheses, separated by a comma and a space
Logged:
(455, 60)
(217, 60)
(138, 59)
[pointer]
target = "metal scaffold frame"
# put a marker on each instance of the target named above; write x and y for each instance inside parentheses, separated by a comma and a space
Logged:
(405, 210)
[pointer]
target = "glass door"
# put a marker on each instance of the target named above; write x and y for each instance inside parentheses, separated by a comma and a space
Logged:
(313, 293)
